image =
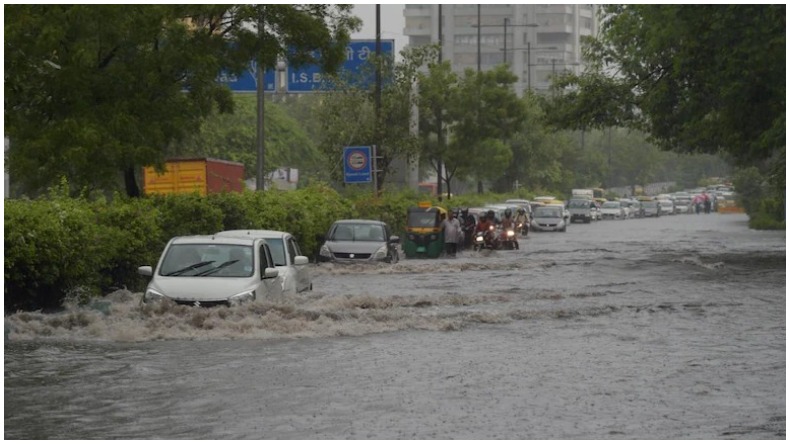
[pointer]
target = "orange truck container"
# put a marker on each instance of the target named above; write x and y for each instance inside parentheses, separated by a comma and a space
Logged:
(202, 175)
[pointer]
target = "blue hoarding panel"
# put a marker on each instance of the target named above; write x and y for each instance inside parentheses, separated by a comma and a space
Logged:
(247, 80)
(357, 164)
(310, 78)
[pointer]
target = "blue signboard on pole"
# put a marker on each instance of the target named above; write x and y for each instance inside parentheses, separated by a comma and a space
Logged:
(357, 164)
(309, 78)
(247, 80)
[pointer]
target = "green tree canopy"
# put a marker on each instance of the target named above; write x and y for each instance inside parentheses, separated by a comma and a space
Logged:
(94, 90)
(695, 78)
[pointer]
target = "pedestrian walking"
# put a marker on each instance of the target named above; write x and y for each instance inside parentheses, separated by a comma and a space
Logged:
(452, 234)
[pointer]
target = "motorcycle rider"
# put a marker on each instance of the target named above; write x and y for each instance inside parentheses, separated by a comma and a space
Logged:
(484, 226)
(523, 220)
(508, 223)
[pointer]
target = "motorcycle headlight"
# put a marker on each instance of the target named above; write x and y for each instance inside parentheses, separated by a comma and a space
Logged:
(324, 251)
(152, 296)
(242, 297)
(511, 233)
(479, 238)
(381, 253)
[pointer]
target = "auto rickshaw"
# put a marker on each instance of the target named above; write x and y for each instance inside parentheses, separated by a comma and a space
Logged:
(424, 234)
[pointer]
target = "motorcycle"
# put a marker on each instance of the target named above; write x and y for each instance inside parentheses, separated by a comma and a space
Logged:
(508, 239)
(485, 239)
(523, 228)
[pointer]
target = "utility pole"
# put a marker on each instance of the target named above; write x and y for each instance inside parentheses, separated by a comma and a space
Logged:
(504, 35)
(375, 160)
(440, 138)
(259, 87)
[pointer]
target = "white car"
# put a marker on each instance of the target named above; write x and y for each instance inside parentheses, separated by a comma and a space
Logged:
(288, 258)
(613, 210)
(212, 270)
(667, 206)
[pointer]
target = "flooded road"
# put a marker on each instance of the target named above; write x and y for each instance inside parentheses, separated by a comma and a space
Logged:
(668, 328)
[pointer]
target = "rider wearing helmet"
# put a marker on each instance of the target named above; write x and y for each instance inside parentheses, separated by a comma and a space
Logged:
(522, 220)
(508, 223)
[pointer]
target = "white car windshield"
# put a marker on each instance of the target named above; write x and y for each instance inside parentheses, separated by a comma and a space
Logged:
(358, 232)
(611, 205)
(215, 260)
(548, 212)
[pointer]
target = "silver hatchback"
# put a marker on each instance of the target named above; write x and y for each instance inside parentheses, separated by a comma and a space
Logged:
(359, 240)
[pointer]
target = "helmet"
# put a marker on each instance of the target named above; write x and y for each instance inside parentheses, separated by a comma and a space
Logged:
(483, 217)
(490, 214)
(508, 212)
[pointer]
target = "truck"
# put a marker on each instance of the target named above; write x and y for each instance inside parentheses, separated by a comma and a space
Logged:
(202, 175)
(582, 194)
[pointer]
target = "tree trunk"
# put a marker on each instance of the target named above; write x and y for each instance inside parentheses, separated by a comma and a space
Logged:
(132, 190)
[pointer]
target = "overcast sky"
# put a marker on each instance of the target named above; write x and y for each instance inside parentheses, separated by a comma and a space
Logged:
(392, 23)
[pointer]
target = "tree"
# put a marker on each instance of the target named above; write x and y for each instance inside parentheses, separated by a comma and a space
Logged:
(233, 137)
(349, 116)
(91, 91)
(486, 109)
(695, 78)
(436, 89)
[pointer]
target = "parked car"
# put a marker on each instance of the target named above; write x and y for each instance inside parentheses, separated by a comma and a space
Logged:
(288, 258)
(211, 270)
(612, 210)
(359, 240)
(549, 218)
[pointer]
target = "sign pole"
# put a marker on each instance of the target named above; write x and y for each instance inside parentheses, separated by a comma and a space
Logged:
(374, 165)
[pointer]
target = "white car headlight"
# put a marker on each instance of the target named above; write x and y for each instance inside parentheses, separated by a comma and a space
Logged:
(242, 297)
(324, 251)
(152, 296)
(381, 253)
(511, 233)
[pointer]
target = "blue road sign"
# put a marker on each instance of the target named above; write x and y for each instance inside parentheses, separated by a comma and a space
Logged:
(247, 80)
(309, 78)
(357, 164)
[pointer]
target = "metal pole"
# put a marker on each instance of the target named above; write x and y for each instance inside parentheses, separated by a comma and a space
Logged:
(529, 66)
(478, 38)
(375, 160)
(439, 119)
(504, 54)
(259, 87)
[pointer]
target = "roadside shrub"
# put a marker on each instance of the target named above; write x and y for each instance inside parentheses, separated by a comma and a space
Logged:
(235, 207)
(53, 248)
(137, 240)
(186, 214)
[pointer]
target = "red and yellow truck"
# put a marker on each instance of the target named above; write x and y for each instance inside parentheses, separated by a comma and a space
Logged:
(201, 175)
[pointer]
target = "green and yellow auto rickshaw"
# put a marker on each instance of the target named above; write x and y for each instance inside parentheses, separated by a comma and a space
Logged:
(424, 234)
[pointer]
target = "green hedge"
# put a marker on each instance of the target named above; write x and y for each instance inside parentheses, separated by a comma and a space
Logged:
(57, 247)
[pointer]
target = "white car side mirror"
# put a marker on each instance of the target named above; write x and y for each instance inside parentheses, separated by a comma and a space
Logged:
(270, 273)
(145, 270)
(301, 260)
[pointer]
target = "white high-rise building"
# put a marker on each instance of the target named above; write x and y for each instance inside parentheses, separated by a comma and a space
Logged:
(535, 40)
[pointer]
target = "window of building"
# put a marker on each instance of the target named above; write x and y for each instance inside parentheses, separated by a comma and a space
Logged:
(555, 38)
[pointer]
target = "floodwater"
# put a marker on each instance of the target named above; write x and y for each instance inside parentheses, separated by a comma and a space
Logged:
(668, 328)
